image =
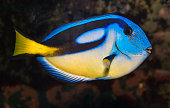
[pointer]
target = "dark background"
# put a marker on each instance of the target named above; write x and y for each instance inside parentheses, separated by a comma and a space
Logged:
(23, 84)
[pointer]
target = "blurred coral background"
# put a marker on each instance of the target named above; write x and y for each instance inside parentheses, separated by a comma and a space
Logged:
(23, 84)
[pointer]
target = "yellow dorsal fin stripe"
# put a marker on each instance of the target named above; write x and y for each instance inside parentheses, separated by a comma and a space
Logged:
(24, 45)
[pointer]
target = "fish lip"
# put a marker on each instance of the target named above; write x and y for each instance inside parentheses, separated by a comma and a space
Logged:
(148, 50)
(119, 50)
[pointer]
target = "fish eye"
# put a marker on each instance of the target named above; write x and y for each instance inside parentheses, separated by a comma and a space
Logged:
(128, 31)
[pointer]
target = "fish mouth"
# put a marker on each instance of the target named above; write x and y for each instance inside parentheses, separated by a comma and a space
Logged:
(119, 49)
(148, 50)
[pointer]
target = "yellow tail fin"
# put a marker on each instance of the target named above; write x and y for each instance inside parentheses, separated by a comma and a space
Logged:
(24, 45)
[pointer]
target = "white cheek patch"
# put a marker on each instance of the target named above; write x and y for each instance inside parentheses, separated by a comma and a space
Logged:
(121, 65)
(91, 36)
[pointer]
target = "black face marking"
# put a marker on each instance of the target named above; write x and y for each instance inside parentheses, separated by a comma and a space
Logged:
(66, 39)
(128, 31)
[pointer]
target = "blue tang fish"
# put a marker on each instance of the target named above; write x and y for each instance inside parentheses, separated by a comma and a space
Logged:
(103, 47)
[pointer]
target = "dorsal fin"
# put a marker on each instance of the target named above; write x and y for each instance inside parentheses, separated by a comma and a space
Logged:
(81, 22)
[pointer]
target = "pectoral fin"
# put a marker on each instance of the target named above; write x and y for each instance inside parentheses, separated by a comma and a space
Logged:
(107, 60)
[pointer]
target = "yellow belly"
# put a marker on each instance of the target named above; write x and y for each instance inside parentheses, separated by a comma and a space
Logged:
(88, 64)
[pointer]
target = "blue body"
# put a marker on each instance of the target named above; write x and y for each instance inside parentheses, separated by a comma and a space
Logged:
(129, 45)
